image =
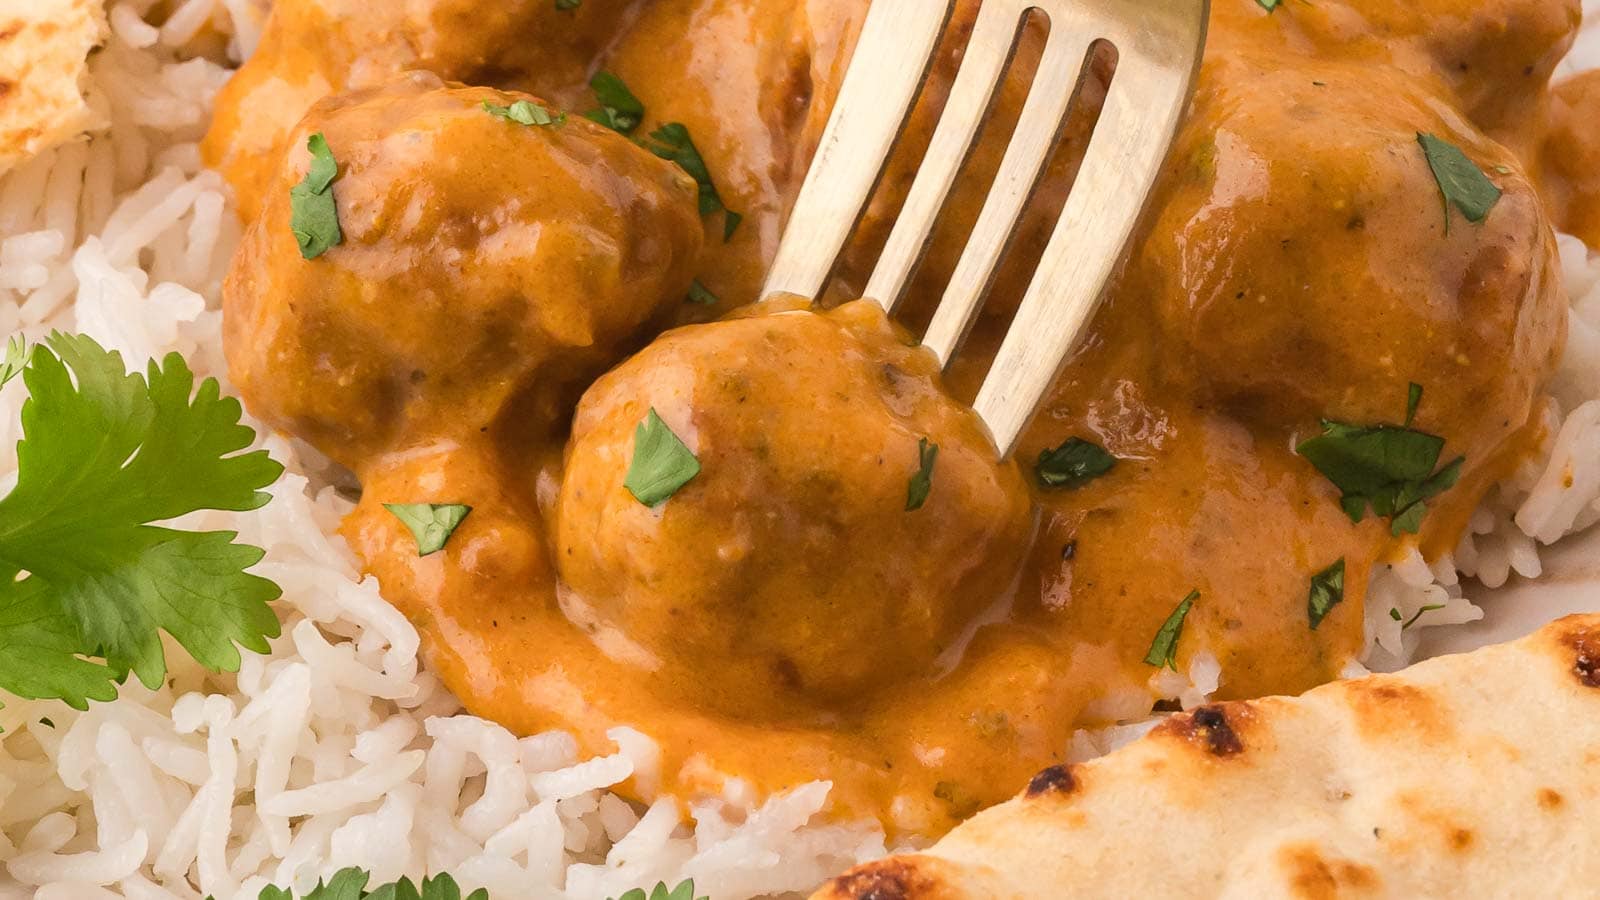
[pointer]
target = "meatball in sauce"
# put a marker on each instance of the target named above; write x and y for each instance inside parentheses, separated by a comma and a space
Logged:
(773, 537)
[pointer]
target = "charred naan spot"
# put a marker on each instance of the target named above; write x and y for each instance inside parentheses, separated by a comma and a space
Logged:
(1314, 877)
(1384, 707)
(1551, 799)
(1054, 780)
(1586, 662)
(895, 878)
(1215, 727)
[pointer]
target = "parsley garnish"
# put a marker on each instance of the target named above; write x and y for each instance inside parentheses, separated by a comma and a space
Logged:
(1327, 591)
(313, 216)
(83, 573)
(1387, 467)
(1164, 649)
(430, 523)
(672, 142)
(619, 109)
(524, 112)
(921, 482)
(1460, 180)
(1073, 463)
(18, 351)
(684, 891)
(351, 884)
(697, 294)
(661, 462)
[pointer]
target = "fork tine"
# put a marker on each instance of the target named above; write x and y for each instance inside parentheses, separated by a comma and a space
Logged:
(896, 45)
(1044, 112)
(988, 51)
(1143, 107)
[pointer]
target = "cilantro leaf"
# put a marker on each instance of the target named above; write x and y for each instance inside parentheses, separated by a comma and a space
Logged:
(1072, 464)
(921, 483)
(619, 109)
(672, 142)
(18, 352)
(684, 891)
(1164, 649)
(1413, 400)
(1327, 591)
(351, 884)
(100, 460)
(1460, 180)
(697, 294)
(524, 112)
(661, 462)
(1269, 5)
(430, 523)
(1387, 467)
(313, 215)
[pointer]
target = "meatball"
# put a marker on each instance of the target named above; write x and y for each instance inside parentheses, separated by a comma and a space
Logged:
(311, 48)
(1304, 261)
(791, 570)
(488, 271)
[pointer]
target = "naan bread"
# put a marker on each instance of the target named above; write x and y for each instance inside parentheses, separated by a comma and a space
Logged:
(44, 50)
(1465, 776)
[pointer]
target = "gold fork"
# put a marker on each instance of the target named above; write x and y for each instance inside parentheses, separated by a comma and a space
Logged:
(1158, 45)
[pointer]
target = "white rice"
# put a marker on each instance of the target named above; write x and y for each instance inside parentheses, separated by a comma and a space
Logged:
(336, 749)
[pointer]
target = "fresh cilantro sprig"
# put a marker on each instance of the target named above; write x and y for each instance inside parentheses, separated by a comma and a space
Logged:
(672, 142)
(351, 884)
(83, 571)
(684, 891)
(1390, 468)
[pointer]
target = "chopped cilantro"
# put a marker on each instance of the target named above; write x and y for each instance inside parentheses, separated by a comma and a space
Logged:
(18, 351)
(1072, 464)
(619, 109)
(684, 891)
(313, 215)
(524, 112)
(1395, 614)
(83, 572)
(1387, 467)
(1460, 180)
(661, 462)
(46, 722)
(1327, 591)
(921, 483)
(1164, 649)
(351, 884)
(672, 142)
(697, 294)
(1269, 5)
(1413, 400)
(430, 523)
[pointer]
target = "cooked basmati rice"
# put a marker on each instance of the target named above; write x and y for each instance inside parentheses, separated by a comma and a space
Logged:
(336, 749)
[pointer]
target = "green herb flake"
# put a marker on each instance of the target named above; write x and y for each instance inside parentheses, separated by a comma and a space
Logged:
(1164, 649)
(921, 483)
(46, 722)
(83, 572)
(1395, 614)
(1386, 467)
(697, 294)
(661, 462)
(684, 891)
(313, 215)
(1460, 180)
(430, 523)
(1413, 400)
(1072, 464)
(351, 884)
(18, 352)
(1327, 591)
(568, 4)
(1269, 5)
(524, 112)
(672, 142)
(619, 109)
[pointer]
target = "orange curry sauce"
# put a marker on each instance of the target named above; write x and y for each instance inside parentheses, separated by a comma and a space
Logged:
(784, 617)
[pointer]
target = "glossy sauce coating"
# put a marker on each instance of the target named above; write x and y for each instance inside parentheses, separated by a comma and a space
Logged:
(1295, 265)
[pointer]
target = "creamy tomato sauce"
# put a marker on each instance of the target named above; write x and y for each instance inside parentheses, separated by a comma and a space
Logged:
(791, 613)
